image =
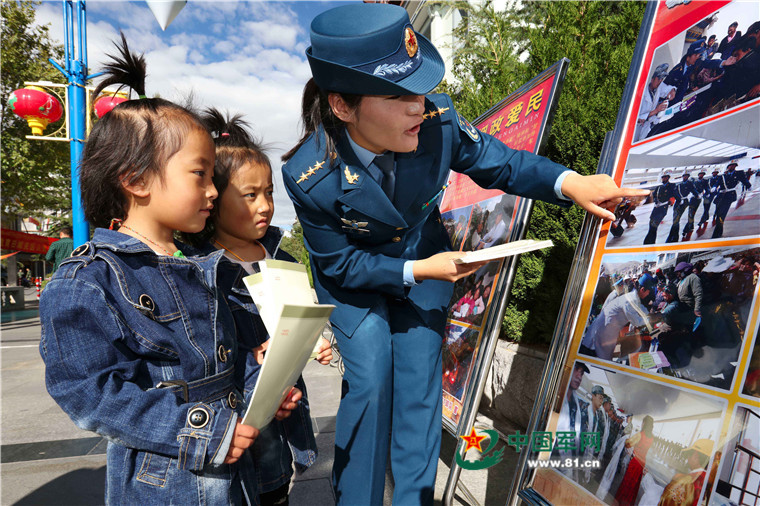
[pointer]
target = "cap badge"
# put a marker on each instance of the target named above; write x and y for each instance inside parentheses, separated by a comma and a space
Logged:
(410, 41)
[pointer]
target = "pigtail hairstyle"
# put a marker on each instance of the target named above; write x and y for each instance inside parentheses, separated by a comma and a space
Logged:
(235, 147)
(316, 112)
(132, 143)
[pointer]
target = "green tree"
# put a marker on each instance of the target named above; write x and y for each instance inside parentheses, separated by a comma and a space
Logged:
(294, 246)
(598, 38)
(35, 174)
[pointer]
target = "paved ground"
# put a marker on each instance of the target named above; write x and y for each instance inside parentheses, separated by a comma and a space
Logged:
(47, 460)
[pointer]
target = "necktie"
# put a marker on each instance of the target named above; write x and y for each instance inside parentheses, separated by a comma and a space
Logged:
(384, 162)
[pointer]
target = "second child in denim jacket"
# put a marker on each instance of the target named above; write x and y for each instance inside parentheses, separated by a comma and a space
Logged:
(139, 342)
(239, 227)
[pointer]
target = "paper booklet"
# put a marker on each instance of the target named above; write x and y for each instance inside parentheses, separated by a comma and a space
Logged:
(504, 250)
(294, 323)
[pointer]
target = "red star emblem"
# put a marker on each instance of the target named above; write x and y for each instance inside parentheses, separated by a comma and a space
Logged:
(473, 440)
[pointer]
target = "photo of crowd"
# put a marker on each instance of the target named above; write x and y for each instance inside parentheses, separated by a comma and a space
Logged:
(461, 343)
(682, 313)
(711, 67)
(472, 295)
(737, 466)
(481, 225)
(654, 441)
(704, 181)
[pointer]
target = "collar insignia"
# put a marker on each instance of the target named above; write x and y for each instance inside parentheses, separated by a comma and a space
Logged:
(350, 178)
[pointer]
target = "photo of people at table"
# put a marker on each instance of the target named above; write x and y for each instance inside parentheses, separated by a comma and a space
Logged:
(490, 223)
(461, 343)
(704, 183)
(472, 295)
(735, 469)
(709, 68)
(456, 222)
(678, 313)
(655, 442)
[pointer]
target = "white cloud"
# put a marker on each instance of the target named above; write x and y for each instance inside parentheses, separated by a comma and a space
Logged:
(245, 57)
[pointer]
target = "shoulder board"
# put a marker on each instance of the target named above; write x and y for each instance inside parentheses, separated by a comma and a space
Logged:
(438, 109)
(307, 175)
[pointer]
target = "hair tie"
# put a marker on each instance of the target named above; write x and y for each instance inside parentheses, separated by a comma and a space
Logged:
(116, 222)
(225, 134)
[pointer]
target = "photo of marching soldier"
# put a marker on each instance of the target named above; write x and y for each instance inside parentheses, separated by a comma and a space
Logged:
(704, 184)
(682, 314)
(693, 76)
(653, 442)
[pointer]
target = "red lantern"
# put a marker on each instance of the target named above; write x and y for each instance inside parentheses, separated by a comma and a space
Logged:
(36, 106)
(105, 103)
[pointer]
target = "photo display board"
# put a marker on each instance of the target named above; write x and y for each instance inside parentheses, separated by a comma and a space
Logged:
(476, 218)
(657, 397)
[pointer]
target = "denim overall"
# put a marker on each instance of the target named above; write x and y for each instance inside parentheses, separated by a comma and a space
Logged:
(144, 350)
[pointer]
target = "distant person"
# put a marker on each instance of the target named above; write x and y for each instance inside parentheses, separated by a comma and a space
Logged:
(602, 335)
(62, 248)
(654, 100)
(726, 46)
(662, 197)
(682, 192)
(639, 444)
(684, 489)
(725, 186)
(710, 48)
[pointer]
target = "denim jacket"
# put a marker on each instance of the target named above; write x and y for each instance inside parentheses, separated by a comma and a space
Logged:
(281, 442)
(144, 350)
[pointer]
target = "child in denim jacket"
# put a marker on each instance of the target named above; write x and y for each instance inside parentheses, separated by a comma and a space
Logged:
(139, 342)
(240, 226)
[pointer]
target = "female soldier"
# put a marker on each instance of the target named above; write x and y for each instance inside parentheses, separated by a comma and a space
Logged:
(375, 153)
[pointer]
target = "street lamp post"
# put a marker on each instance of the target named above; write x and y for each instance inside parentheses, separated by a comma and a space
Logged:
(75, 71)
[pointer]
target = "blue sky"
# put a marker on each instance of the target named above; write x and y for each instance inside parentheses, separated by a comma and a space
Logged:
(243, 56)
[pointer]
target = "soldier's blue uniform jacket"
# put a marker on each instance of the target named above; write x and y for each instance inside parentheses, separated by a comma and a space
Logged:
(663, 193)
(702, 186)
(684, 188)
(359, 240)
(145, 350)
(725, 183)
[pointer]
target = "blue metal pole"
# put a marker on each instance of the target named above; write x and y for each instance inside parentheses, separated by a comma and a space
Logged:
(75, 20)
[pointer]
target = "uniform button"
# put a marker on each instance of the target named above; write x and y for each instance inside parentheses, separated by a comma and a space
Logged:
(222, 353)
(81, 250)
(146, 302)
(232, 399)
(198, 418)
(396, 239)
(399, 228)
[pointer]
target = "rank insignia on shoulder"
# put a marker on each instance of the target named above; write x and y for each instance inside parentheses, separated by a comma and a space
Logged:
(306, 175)
(435, 112)
(467, 128)
(350, 178)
